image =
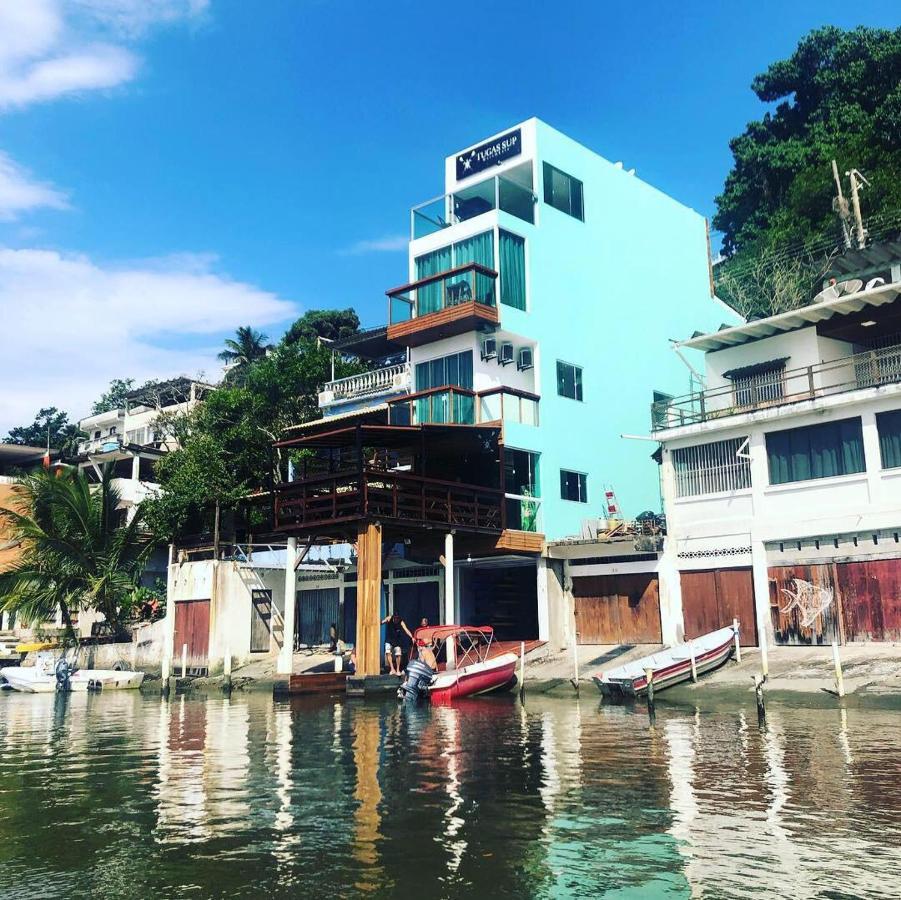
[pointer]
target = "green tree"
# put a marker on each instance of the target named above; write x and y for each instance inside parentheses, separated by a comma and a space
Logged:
(243, 350)
(838, 96)
(64, 435)
(114, 397)
(75, 556)
(225, 443)
(331, 324)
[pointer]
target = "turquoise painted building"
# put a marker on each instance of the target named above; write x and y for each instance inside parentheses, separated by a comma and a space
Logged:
(541, 285)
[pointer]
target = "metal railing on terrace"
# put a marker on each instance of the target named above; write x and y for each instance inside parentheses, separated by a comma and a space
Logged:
(871, 368)
(463, 284)
(390, 379)
(105, 444)
(450, 209)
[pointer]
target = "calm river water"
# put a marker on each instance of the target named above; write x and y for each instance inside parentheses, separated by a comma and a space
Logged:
(120, 795)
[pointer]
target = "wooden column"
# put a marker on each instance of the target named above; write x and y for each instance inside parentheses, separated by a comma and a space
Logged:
(285, 663)
(369, 598)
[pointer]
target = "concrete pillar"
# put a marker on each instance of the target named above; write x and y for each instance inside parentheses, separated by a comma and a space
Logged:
(136, 467)
(766, 636)
(449, 595)
(168, 650)
(369, 599)
(285, 665)
(672, 619)
(872, 455)
(544, 615)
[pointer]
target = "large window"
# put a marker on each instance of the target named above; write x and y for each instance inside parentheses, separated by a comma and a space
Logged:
(817, 451)
(712, 468)
(455, 369)
(563, 192)
(889, 427)
(513, 270)
(477, 249)
(521, 489)
(573, 486)
(569, 380)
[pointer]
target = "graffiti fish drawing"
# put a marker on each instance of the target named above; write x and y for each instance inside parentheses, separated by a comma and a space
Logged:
(809, 599)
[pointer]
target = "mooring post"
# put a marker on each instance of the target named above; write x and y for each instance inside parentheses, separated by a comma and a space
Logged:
(184, 660)
(649, 679)
(694, 664)
(576, 662)
(164, 675)
(837, 662)
(227, 669)
(736, 630)
(761, 708)
(522, 667)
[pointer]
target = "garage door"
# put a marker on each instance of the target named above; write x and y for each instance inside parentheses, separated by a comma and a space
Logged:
(712, 598)
(617, 609)
(871, 599)
(192, 628)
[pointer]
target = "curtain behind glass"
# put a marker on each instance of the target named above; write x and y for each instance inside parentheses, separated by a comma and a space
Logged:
(818, 451)
(889, 427)
(429, 297)
(512, 252)
(477, 249)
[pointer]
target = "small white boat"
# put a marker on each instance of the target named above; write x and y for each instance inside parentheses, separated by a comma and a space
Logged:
(670, 666)
(41, 678)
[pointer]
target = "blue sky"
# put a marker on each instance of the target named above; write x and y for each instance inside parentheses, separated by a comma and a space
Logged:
(171, 169)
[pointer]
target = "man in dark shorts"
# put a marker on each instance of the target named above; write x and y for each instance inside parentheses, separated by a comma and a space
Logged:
(394, 642)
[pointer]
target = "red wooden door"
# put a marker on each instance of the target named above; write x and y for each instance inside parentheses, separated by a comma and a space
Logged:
(871, 599)
(803, 604)
(712, 598)
(192, 627)
(617, 609)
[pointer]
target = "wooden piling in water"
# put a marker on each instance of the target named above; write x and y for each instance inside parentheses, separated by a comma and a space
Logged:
(837, 663)
(736, 628)
(649, 679)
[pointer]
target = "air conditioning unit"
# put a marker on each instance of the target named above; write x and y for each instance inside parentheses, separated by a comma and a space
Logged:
(489, 348)
(524, 359)
(505, 356)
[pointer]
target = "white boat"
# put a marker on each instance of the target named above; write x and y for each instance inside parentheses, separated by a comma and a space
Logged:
(670, 666)
(41, 678)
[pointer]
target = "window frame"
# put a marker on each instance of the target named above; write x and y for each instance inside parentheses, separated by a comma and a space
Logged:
(885, 448)
(697, 467)
(578, 381)
(582, 482)
(547, 172)
(790, 453)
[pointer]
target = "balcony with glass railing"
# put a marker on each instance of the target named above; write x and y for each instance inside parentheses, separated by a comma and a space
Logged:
(441, 305)
(498, 192)
(452, 405)
(376, 384)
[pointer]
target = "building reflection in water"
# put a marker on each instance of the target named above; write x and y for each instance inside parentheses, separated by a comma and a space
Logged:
(366, 733)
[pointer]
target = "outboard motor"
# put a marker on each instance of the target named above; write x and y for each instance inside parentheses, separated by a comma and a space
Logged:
(415, 686)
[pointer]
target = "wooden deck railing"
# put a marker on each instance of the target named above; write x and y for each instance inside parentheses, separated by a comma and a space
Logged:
(399, 496)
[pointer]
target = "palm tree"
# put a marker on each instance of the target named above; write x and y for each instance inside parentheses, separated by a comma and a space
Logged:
(246, 347)
(74, 555)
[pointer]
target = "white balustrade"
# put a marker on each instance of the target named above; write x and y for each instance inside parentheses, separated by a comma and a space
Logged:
(378, 381)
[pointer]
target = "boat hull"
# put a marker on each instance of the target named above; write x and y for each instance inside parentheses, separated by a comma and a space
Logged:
(30, 681)
(479, 678)
(668, 672)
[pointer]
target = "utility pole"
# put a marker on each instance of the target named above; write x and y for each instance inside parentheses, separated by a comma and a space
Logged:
(856, 178)
(840, 205)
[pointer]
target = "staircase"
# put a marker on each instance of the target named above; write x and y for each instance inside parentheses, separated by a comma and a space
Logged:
(8, 655)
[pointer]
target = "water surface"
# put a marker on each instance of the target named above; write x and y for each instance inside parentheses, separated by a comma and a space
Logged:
(124, 796)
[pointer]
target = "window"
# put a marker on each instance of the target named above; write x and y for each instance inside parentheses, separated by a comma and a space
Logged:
(712, 468)
(573, 486)
(817, 451)
(563, 192)
(569, 380)
(455, 369)
(113, 429)
(521, 487)
(477, 249)
(760, 383)
(96, 435)
(513, 270)
(888, 425)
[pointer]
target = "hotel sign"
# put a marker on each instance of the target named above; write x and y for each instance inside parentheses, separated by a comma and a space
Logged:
(491, 154)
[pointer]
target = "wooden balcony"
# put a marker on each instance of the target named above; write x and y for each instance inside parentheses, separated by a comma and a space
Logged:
(445, 304)
(323, 502)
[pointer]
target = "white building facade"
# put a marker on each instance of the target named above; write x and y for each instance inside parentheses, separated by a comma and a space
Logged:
(782, 477)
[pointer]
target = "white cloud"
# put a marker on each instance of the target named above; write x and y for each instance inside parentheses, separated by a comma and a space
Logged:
(389, 244)
(51, 48)
(20, 192)
(70, 325)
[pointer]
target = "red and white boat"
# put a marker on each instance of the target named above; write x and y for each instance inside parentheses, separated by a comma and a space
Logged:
(476, 671)
(670, 666)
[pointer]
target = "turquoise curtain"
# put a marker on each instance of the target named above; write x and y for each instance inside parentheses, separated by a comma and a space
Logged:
(818, 451)
(477, 249)
(889, 427)
(429, 297)
(512, 253)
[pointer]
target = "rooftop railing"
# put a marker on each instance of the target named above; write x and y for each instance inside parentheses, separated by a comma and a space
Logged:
(871, 368)
(389, 379)
(450, 209)
(463, 284)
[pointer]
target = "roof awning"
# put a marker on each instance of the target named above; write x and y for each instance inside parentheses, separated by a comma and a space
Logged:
(796, 318)
(770, 365)
(377, 413)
